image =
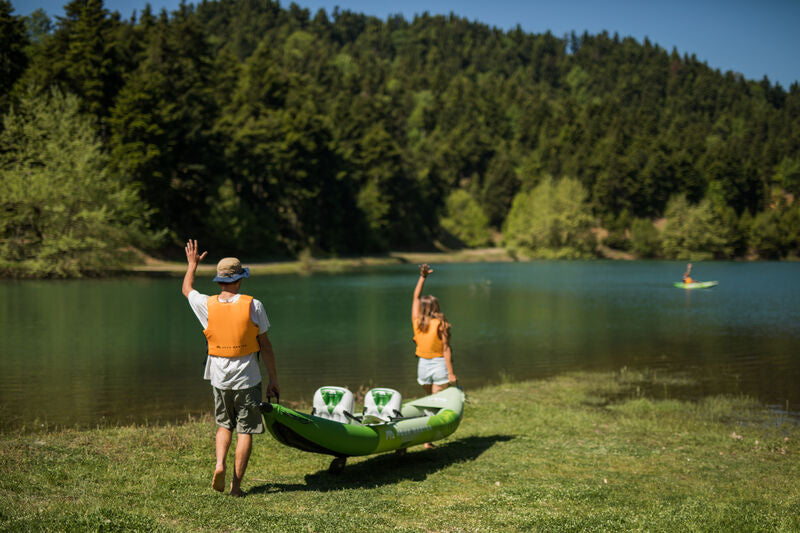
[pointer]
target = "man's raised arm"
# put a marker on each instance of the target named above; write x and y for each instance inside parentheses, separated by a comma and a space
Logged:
(193, 259)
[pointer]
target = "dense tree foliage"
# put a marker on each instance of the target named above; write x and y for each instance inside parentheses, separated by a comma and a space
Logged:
(707, 230)
(13, 60)
(464, 220)
(551, 221)
(645, 240)
(64, 214)
(265, 130)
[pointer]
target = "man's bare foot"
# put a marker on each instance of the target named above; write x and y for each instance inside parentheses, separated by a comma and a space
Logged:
(236, 492)
(429, 446)
(218, 481)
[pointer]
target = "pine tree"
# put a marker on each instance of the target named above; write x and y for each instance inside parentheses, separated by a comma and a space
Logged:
(13, 60)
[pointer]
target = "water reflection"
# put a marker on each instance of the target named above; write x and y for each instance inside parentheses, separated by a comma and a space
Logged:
(130, 350)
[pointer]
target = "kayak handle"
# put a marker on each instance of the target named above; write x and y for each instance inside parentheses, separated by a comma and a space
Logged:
(266, 407)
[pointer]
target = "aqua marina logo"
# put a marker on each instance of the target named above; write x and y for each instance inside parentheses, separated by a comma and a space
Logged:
(381, 398)
(331, 397)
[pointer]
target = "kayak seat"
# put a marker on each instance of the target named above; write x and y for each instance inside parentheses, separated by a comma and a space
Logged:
(382, 405)
(333, 403)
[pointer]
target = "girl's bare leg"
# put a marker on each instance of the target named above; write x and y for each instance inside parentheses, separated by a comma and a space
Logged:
(439, 388)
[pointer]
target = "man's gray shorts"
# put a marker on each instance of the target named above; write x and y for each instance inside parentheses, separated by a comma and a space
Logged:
(239, 409)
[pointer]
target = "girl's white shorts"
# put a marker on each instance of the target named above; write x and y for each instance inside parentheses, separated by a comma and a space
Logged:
(432, 371)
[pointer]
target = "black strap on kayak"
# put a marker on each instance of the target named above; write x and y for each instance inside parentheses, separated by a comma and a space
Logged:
(352, 416)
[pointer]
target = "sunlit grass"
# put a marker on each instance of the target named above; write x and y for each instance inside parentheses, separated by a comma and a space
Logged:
(577, 452)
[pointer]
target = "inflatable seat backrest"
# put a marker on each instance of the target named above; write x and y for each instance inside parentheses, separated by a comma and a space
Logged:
(383, 404)
(332, 403)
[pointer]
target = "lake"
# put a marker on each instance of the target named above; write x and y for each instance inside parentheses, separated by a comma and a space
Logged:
(96, 352)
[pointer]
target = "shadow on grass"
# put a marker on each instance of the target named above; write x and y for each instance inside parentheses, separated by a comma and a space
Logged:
(389, 468)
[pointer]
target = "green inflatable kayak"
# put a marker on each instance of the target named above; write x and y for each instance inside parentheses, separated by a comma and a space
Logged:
(384, 425)
(696, 284)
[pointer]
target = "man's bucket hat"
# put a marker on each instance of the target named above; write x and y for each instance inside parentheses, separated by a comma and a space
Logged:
(229, 269)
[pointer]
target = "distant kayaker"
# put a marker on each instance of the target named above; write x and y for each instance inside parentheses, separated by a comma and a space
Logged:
(432, 337)
(235, 326)
(686, 277)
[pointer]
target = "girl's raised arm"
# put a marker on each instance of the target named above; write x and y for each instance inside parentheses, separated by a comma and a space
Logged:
(424, 270)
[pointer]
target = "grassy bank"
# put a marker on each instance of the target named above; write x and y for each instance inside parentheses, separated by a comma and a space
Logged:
(307, 264)
(577, 452)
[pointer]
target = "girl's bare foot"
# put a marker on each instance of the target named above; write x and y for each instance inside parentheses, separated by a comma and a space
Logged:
(429, 446)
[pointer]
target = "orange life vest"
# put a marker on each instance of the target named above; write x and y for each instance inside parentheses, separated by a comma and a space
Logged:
(429, 344)
(687, 279)
(230, 331)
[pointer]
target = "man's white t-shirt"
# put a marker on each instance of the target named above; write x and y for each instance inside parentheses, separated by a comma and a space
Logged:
(231, 373)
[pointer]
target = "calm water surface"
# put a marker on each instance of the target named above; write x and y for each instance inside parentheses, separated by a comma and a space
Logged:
(118, 351)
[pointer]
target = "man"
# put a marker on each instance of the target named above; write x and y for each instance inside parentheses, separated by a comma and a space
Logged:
(235, 326)
(687, 278)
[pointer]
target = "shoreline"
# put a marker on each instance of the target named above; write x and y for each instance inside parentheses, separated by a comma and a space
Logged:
(332, 265)
(580, 451)
(153, 267)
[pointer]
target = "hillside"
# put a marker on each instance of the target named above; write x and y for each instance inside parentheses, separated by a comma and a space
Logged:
(272, 130)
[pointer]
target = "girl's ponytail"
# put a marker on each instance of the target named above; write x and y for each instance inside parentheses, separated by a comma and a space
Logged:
(428, 309)
(444, 325)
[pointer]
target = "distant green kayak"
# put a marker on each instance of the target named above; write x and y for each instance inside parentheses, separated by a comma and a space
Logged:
(424, 420)
(696, 284)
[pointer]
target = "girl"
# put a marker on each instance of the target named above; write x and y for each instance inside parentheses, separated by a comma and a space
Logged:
(432, 336)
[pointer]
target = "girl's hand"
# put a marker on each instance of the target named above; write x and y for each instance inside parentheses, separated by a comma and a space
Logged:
(452, 378)
(425, 270)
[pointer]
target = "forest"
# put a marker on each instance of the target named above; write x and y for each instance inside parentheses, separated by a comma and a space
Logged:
(267, 132)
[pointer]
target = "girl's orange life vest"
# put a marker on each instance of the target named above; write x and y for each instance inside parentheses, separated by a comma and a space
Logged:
(429, 344)
(230, 331)
(687, 279)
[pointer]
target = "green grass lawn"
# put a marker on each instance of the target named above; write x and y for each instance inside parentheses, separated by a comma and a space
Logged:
(588, 452)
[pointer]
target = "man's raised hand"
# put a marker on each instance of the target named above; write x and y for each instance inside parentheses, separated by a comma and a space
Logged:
(192, 256)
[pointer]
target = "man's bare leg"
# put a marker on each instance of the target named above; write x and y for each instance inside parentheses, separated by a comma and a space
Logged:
(223, 443)
(244, 444)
